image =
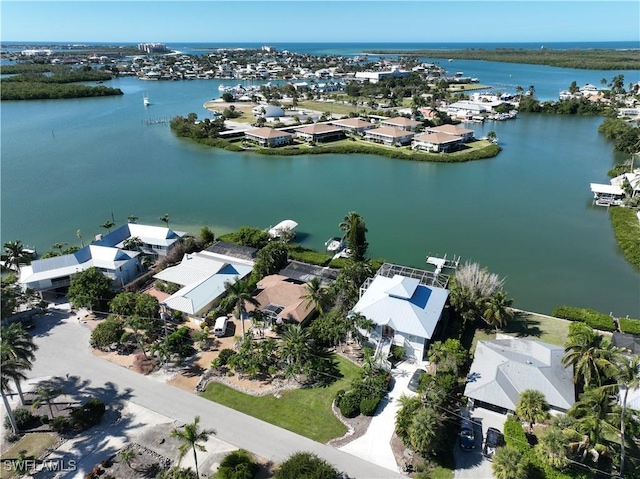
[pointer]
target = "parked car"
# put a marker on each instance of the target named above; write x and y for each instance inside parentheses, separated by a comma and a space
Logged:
(467, 436)
(493, 440)
(414, 382)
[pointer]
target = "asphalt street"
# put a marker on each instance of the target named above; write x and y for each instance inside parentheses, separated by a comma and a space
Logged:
(64, 351)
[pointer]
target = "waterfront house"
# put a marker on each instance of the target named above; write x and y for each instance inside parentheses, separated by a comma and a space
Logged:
(437, 142)
(503, 368)
(406, 308)
(389, 136)
(401, 122)
(281, 298)
(52, 276)
(354, 125)
(269, 137)
(464, 133)
(202, 277)
(319, 132)
(150, 240)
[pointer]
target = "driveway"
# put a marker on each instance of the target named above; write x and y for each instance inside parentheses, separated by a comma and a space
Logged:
(375, 444)
(64, 349)
(471, 464)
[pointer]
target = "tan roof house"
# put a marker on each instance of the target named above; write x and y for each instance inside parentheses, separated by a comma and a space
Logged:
(281, 298)
(401, 122)
(466, 134)
(269, 137)
(320, 132)
(354, 125)
(389, 136)
(438, 142)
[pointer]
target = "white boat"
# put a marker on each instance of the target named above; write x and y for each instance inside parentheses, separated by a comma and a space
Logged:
(145, 100)
(334, 244)
(275, 231)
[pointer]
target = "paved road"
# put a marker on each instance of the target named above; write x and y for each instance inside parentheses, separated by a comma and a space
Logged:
(64, 350)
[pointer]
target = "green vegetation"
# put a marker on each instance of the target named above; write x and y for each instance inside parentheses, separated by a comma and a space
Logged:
(304, 411)
(627, 230)
(625, 137)
(306, 255)
(33, 445)
(630, 326)
(90, 289)
(247, 236)
(237, 465)
(573, 58)
(305, 465)
(592, 318)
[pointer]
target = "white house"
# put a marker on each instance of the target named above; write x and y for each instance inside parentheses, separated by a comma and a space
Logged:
(405, 310)
(152, 240)
(203, 277)
(503, 368)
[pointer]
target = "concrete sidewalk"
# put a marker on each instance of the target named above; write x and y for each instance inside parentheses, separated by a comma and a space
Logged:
(375, 445)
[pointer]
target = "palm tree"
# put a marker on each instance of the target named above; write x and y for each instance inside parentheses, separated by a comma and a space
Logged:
(552, 447)
(60, 246)
(591, 356)
(165, 219)
(508, 464)
(12, 370)
(16, 254)
(132, 218)
(497, 310)
(79, 235)
(239, 294)
(532, 407)
(295, 349)
(18, 344)
(191, 436)
(107, 225)
(627, 377)
(132, 244)
(316, 295)
(45, 395)
(354, 230)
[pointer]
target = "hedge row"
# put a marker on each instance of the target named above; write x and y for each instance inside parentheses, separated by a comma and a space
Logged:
(630, 326)
(306, 255)
(514, 436)
(592, 318)
(627, 230)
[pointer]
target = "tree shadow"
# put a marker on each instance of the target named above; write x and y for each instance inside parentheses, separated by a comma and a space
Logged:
(522, 326)
(44, 322)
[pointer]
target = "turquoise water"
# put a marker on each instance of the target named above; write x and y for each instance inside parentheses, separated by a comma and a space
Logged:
(526, 214)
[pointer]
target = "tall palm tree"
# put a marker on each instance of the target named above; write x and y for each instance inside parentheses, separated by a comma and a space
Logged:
(60, 246)
(132, 218)
(532, 407)
(239, 294)
(355, 230)
(16, 254)
(591, 356)
(12, 370)
(316, 295)
(627, 377)
(552, 447)
(107, 225)
(497, 310)
(165, 219)
(45, 395)
(18, 344)
(191, 436)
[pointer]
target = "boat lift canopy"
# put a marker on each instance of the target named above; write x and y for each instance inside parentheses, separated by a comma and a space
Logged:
(600, 189)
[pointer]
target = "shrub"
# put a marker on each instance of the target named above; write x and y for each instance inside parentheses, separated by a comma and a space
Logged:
(593, 318)
(144, 365)
(305, 465)
(88, 415)
(397, 352)
(338, 398)
(369, 405)
(23, 417)
(107, 332)
(514, 435)
(44, 419)
(60, 424)
(305, 255)
(627, 230)
(630, 326)
(237, 465)
(350, 405)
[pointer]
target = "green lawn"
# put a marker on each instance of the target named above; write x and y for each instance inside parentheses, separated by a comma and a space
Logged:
(530, 325)
(34, 443)
(304, 411)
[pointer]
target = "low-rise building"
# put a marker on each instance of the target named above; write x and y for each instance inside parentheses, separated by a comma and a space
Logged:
(320, 132)
(269, 137)
(282, 299)
(437, 142)
(455, 130)
(354, 125)
(389, 136)
(401, 122)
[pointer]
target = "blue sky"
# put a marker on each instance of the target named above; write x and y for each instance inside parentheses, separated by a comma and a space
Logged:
(320, 21)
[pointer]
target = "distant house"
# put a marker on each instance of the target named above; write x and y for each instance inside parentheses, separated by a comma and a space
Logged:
(437, 142)
(389, 136)
(320, 132)
(269, 137)
(406, 311)
(281, 298)
(203, 277)
(503, 368)
(464, 133)
(53, 275)
(402, 123)
(354, 125)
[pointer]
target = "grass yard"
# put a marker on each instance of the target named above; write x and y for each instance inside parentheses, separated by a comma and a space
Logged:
(530, 325)
(34, 443)
(304, 411)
